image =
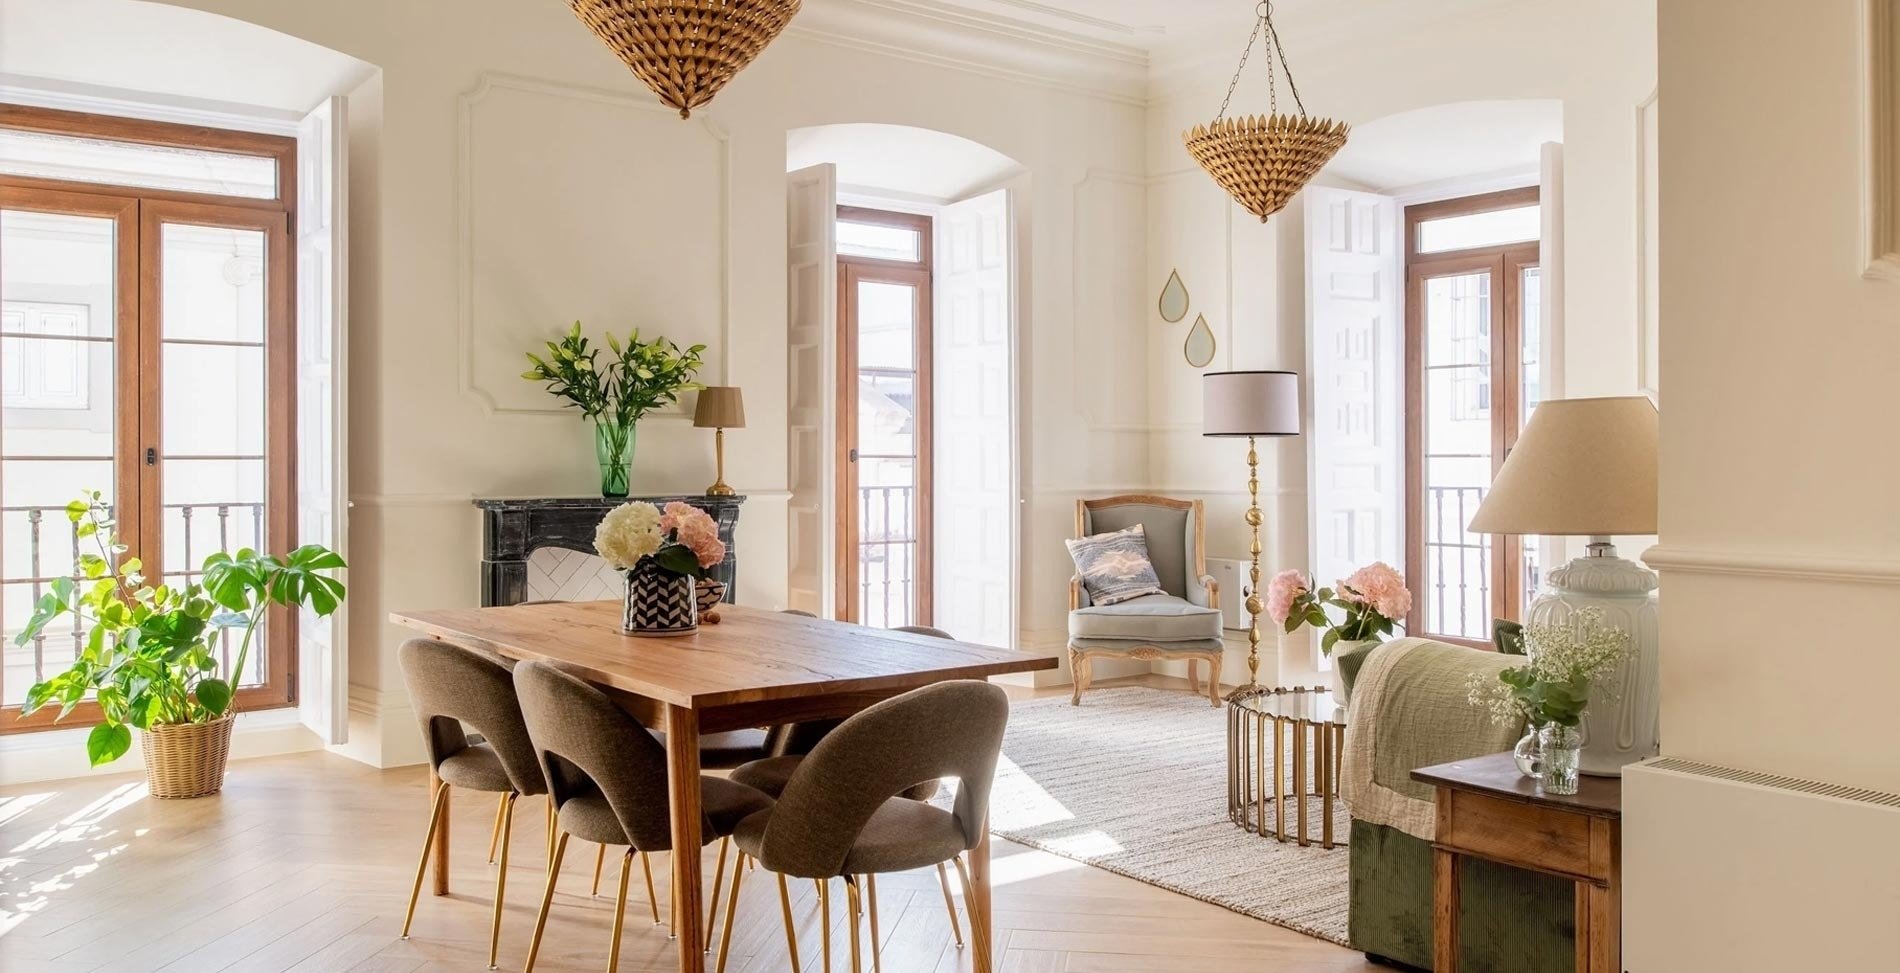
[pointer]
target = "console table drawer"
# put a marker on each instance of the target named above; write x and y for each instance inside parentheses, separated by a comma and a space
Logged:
(1541, 838)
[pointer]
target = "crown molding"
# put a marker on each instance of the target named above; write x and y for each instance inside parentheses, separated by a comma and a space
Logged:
(963, 39)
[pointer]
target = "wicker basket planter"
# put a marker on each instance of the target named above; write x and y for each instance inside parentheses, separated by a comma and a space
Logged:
(187, 759)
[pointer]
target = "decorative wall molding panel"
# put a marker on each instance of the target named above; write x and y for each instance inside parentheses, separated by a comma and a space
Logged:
(1803, 567)
(1648, 247)
(549, 230)
(1110, 305)
(1880, 75)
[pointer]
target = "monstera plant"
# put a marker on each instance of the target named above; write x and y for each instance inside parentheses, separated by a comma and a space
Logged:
(148, 654)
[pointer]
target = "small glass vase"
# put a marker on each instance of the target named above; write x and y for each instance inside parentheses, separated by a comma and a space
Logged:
(1529, 754)
(1562, 748)
(613, 450)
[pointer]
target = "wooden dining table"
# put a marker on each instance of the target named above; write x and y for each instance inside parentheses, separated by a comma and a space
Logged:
(754, 668)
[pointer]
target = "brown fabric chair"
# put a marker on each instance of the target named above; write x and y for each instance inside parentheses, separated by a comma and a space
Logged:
(455, 691)
(607, 778)
(841, 814)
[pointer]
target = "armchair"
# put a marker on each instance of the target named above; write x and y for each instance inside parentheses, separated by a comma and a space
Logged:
(1184, 622)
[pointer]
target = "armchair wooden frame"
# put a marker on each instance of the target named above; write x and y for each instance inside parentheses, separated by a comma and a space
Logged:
(1079, 657)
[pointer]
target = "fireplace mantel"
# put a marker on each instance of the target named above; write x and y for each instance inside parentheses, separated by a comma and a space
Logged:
(515, 527)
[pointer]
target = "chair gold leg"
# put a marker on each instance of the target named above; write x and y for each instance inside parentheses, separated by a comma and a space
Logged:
(547, 899)
(600, 859)
(950, 905)
(428, 844)
(870, 892)
(501, 807)
(552, 828)
(732, 905)
(791, 933)
(501, 877)
(712, 906)
(620, 912)
(653, 900)
(672, 911)
(979, 933)
(852, 900)
(824, 927)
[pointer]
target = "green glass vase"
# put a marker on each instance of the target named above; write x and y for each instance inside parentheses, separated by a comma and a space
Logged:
(613, 450)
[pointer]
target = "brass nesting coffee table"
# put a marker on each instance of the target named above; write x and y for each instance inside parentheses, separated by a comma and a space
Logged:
(1307, 731)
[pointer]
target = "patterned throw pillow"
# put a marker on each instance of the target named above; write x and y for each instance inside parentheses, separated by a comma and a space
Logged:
(1115, 566)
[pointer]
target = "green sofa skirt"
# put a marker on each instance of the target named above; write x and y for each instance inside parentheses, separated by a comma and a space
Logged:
(1511, 920)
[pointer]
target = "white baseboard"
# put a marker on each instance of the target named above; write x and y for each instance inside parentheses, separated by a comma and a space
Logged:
(51, 755)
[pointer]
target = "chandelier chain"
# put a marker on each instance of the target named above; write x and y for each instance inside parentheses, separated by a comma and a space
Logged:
(1263, 24)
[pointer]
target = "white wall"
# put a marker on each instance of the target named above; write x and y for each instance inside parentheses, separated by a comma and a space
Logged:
(1779, 518)
(1596, 59)
(584, 200)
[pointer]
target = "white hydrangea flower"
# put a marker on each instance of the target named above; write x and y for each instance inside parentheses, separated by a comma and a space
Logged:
(628, 533)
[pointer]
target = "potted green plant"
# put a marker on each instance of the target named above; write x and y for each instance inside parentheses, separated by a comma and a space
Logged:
(150, 653)
(639, 377)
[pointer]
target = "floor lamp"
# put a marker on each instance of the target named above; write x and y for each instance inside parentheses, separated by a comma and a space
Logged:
(1251, 404)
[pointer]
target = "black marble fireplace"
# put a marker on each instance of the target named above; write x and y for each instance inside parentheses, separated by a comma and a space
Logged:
(514, 527)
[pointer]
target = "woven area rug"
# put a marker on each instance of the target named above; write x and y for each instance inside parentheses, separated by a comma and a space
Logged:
(1134, 781)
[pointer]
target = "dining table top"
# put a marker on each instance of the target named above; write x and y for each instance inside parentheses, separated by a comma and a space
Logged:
(750, 655)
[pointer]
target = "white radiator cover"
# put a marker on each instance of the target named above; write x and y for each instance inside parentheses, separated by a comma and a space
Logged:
(1738, 871)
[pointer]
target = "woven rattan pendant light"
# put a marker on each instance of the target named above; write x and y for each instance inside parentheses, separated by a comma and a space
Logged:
(1263, 160)
(685, 50)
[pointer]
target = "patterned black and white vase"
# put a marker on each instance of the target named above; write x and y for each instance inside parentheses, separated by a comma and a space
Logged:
(660, 604)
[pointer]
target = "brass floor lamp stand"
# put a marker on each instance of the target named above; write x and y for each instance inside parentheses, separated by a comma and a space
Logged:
(1254, 607)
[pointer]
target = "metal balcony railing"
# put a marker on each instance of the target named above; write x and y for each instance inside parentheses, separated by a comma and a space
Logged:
(887, 555)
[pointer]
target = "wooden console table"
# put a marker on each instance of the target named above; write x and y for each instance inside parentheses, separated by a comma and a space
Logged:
(513, 528)
(1486, 809)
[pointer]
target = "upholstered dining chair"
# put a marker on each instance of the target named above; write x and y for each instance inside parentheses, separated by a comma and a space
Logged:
(771, 773)
(841, 814)
(1183, 622)
(606, 776)
(455, 691)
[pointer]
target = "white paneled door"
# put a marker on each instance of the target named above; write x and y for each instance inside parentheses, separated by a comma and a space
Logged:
(811, 315)
(975, 476)
(1355, 346)
(322, 427)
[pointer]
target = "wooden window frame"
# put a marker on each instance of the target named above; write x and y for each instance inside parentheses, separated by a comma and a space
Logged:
(915, 274)
(139, 215)
(1506, 264)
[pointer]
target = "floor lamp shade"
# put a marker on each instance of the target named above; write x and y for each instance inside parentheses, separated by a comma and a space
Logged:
(1250, 404)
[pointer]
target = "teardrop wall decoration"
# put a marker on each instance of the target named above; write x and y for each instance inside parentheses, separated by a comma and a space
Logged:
(1173, 303)
(1199, 346)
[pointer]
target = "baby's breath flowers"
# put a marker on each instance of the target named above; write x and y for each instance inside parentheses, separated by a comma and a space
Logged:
(1566, 660)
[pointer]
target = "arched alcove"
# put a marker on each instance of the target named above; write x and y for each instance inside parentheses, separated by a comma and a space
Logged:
(1444, 144)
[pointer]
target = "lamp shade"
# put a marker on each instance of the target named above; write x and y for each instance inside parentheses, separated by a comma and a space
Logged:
(1250, 404)
(1582, 466)
(720, 407)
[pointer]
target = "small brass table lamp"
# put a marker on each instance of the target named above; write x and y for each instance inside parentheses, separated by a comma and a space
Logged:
(720, 408)
(1251, 404)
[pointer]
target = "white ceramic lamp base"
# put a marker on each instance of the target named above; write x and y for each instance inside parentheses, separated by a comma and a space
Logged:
(1622, 730)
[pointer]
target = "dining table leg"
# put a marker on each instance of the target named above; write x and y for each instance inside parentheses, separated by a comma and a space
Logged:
(682, 762)
(441, 838)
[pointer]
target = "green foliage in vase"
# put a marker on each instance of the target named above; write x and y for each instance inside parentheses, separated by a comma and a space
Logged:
(636, 378)
(149, 655)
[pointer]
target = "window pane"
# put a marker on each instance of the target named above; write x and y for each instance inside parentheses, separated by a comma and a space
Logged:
(213, 479)
(887, 447)
(1457, 431)
(131, 164)
(1490, 229)
(57, 415)
(1531, 300)
(879, 241)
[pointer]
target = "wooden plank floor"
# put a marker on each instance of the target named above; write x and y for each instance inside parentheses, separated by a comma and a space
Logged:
(304, 863)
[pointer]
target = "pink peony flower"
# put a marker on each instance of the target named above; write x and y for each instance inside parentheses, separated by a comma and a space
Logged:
(1285, 586)
(1381, 586)
(705, 543)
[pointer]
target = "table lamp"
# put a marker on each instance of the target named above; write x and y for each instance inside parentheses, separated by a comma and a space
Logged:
(720, 408)
(1587, 467)
(1251, 404)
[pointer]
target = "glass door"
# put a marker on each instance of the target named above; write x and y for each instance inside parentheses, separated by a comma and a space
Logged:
(68, 347)
(884, 420)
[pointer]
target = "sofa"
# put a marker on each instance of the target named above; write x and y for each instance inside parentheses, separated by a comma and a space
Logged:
(1410, 709)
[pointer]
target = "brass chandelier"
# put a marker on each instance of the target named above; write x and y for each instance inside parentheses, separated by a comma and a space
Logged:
(685, 50)
(1262, 161)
